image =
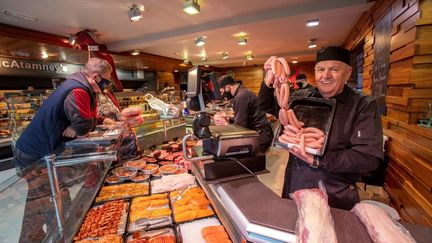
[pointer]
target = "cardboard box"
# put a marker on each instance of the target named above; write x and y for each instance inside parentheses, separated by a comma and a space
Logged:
(375, 193)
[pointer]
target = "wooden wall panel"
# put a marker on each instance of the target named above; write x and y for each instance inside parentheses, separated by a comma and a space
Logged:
(408, 93)
(166, 77)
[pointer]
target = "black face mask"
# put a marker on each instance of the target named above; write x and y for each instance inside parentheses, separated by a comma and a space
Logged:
(103, 83)
(227, 95)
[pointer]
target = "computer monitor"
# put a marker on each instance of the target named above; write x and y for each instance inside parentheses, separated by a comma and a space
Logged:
(194, 82)
(213, 86)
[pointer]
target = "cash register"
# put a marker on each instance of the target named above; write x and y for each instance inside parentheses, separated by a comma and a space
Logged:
(229, 151)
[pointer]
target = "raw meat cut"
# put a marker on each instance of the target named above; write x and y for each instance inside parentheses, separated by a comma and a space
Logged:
(380, 226)
(314, 223)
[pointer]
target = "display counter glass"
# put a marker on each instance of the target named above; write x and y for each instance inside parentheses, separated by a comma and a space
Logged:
(31, 205)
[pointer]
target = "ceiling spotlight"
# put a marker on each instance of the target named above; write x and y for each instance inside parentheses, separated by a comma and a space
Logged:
(191, 7)
(294, 61)
(224, 55)
(206, 65)
(44, 55)
(175, 70)
(250, 56)
(135, 52)
(186, 61)
(203, 58)
(135, 12)
(242, 40)
(72, 40)
(312, 43)
(200, 41)
(19, 15)
(312, 22)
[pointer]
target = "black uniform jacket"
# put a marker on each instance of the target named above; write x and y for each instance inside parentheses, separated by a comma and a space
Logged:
(354, 147)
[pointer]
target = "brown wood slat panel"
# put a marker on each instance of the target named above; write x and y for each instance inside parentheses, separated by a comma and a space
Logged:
(381, 9)
(394, 91)
(426, 7)
(402, 53)
(399, 76)
(398, 8)
(424, 32)
(420, 93)
(421, 76)
(416, 144)
(423, 59)
(396, 100)
(404, 17)
(402, 38)
(409, 209)
(417, 166)
(423, 21)
(423, 47)
(368, 60)
(398, 115)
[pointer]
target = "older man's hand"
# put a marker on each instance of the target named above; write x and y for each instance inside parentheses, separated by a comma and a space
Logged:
(306, 157)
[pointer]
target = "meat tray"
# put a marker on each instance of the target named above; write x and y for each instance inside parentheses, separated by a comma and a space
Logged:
(314, 112)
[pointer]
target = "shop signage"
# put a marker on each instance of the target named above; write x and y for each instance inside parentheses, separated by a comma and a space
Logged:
(22, 67)
(35, 68)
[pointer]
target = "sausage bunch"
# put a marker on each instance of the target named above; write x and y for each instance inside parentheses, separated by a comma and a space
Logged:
(277, 71)
(294, 133)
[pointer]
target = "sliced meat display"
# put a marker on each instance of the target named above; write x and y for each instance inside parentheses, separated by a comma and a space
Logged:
(314, 223)
(380, 226)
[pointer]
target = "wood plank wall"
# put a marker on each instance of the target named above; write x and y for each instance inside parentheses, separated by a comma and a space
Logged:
(409, 90)
(167, 77)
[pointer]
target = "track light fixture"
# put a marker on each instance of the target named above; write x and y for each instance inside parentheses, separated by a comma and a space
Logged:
(135, 12)
(200, 41)
(250, 56)
(312, 22)
(135, 52)
(312, 43)
(242, 40)
(72, 40)
(44, 55)
(225, 55)
(191, 7)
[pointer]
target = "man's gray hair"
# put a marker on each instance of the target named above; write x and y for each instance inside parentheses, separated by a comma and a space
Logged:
(97, 65)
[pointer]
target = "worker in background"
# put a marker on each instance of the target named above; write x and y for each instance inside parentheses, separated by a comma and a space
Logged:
(246, 112)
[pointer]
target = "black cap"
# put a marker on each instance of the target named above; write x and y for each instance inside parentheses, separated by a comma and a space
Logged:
(224, 80)
(333, 53)
(300, 76)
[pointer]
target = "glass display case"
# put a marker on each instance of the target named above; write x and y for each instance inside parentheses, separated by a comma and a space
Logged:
(48, 201)
(21, 108)
(154, 133)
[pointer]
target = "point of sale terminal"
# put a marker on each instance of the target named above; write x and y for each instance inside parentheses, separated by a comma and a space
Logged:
(228, 152)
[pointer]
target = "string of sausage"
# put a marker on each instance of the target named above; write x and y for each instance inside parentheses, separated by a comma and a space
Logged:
(277, 73)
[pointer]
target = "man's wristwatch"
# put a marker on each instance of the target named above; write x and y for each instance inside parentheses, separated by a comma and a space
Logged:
(316, 161)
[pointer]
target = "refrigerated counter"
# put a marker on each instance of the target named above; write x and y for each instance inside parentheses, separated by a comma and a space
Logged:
(251, 211)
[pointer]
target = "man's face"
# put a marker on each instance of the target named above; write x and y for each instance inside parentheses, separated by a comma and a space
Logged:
(331, 76)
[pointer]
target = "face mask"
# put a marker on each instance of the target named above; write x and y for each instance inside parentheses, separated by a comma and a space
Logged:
(103, 83)
(227, 95)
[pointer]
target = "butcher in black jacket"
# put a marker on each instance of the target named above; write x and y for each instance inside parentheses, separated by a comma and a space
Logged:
(355, 140)
(246, 112)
